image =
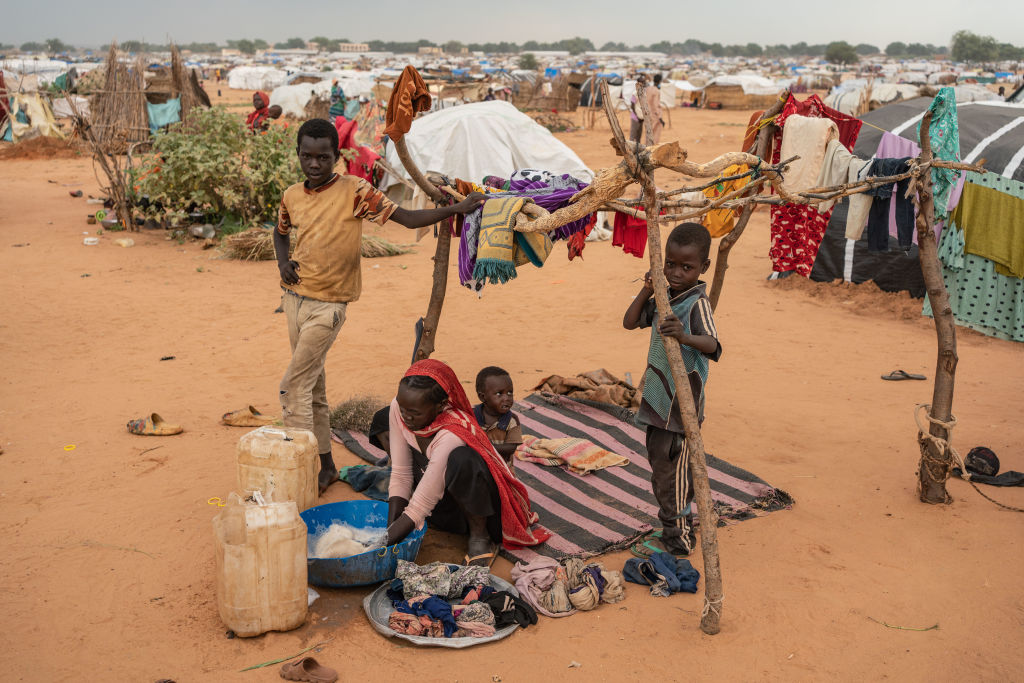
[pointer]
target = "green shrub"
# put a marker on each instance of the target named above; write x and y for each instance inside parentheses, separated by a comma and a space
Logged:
(212, 161)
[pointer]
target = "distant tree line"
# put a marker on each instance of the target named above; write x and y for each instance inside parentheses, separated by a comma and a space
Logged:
(964, 47)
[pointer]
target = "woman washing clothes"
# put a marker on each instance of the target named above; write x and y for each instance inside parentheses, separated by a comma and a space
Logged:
(445, 471)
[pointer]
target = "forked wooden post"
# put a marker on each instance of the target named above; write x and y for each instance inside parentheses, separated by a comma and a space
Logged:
(713, 596)
(441, 254)
(725, 245)
(936, 461)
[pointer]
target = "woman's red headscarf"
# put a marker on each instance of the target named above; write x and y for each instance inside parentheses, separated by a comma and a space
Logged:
(458, 418)
(257, 116)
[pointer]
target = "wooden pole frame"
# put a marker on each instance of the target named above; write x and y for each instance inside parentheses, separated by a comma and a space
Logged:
(936, 461)
(711, 616)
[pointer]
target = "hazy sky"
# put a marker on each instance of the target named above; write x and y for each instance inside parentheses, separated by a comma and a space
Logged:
(726, 21)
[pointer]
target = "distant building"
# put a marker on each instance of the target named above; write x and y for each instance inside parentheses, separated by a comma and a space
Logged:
(430, 51)
(230, 52)
(353, 47)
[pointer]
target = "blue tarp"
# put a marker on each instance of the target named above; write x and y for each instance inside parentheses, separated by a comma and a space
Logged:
(550, 73)
(165, 114)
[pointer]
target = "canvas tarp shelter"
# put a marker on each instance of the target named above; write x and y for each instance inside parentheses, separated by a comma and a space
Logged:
(485, 138)
(990, 130)
(256, 78)
(31, 116)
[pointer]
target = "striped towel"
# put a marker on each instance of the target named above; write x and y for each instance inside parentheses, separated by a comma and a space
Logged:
(579, 455)
(500, 248)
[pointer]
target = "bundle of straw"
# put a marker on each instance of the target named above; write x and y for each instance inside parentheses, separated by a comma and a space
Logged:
(257, 244)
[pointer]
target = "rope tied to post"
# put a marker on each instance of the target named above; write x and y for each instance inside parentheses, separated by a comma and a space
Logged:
(943, 446)
(712, 606)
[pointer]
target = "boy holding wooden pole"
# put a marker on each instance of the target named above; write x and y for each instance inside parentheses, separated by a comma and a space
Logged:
(692, 326)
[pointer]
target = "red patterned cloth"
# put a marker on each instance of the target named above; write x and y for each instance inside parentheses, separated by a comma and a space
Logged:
(797, 230)
(458, 418)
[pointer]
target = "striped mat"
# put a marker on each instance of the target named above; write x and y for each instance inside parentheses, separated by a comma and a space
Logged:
(611, 508)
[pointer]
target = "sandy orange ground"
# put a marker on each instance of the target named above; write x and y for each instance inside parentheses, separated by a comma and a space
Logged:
(108, 566)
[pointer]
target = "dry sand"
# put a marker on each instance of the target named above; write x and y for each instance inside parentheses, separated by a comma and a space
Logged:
(108, 566)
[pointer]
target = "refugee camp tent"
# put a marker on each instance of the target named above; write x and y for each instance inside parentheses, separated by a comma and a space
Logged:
(293, 99)
(256, 78)
(31, 116)
(990, 130)
(741, 91)
(485, 138)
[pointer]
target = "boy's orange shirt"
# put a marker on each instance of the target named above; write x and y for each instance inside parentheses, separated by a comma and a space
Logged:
(329, 234)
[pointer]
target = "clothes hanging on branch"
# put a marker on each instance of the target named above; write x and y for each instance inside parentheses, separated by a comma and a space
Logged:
(886, 197)
(630, 233)
(720, 222)
(797, 230)
(944, 134)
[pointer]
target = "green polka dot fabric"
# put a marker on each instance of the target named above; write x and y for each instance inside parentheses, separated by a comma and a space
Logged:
(981, 298)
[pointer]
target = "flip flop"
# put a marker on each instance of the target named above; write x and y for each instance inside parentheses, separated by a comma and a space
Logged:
(900, 375)
(645, 547)
(308, 669)
(247, 417)
(153, 425)
(489, 557)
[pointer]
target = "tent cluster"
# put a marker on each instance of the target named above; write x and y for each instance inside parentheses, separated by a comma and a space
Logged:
(981, 295)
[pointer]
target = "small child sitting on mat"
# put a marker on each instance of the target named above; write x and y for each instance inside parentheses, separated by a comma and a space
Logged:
(494, 413)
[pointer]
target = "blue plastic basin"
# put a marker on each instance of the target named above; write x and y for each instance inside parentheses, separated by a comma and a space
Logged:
(366, 568)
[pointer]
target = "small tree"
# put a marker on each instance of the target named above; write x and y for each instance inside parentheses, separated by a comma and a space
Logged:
(866, 49)
(896, 49)
(32, 47)
(325, 44)
(55, 46)
(970, 47)
(841, 52)
(528, 62)
(453, 47)
(291, 44)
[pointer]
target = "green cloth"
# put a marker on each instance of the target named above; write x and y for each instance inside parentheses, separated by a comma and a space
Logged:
(993, 225)
(659, 387)
(980, 298)
(945, 142)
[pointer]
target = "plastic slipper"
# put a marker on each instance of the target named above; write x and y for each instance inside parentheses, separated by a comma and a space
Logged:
(247, 417)
(646, 547)
(899, 375)
(153, 425)
(488, 557)
(308, 669)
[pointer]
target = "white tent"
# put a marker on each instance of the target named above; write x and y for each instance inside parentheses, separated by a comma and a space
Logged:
(256, 78)
(293, 98)
(485, 138)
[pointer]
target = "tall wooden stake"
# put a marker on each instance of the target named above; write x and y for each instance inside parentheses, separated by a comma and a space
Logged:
(441, 256)
(713, 596)
(936, 462)
(725, 245)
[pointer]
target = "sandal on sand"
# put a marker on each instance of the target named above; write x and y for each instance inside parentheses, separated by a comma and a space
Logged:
(646, 546)
(899, 375)
(247, 417)
(153, 425)
(308, 669)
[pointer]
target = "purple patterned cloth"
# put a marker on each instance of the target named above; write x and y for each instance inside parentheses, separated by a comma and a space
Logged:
(547, 190)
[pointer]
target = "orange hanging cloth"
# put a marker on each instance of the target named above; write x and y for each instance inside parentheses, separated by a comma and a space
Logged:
(721, 221)
(408, 98)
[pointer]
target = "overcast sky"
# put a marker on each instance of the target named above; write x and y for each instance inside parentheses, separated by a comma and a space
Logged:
(878, 22)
